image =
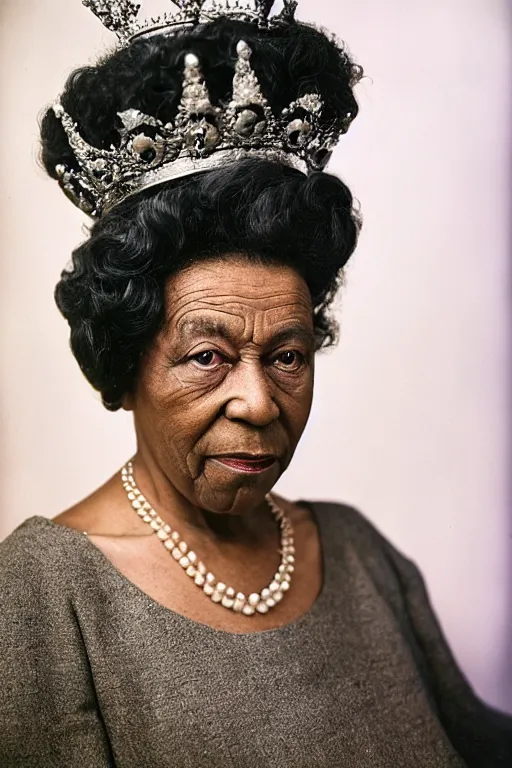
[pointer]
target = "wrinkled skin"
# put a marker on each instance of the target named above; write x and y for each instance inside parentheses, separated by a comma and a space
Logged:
(219, 378)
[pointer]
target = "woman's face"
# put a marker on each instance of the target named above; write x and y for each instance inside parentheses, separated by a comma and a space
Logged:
(230, 372)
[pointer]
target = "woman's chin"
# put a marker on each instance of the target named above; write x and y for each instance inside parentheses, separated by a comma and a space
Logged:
(221, 488)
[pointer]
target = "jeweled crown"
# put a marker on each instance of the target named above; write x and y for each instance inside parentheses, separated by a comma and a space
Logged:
(202, 136)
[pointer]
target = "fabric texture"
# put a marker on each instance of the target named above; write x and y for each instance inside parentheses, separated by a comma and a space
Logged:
(95, 673)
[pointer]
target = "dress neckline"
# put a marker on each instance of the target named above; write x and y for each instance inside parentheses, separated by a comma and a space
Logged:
(157, 608)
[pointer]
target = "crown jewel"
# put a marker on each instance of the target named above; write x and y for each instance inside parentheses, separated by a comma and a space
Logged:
(202, 136)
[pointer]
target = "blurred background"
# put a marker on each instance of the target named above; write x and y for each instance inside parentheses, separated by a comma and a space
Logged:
(411, 419)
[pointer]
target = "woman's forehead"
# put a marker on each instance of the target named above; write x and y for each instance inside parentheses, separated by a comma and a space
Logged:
(236, 290)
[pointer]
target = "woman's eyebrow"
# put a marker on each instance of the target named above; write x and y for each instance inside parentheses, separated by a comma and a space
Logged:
(294, 333)
(206, 326)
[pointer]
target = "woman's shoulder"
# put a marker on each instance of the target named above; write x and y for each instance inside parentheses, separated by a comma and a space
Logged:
(342, 519)
(28, 540)
(345, 528)
(335, 519)
(36, 557)
(33, 535)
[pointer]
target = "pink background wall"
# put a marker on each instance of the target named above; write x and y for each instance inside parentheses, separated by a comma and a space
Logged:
(411, 415)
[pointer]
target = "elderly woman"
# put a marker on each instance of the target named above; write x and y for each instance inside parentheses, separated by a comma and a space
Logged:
(183, 615)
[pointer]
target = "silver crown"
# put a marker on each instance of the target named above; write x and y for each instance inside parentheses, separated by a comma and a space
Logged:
(202, 136)
(121, 16)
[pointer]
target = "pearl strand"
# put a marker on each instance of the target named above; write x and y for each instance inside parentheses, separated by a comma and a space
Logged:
(217, 591)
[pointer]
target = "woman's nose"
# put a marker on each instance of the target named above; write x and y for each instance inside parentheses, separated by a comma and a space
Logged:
(250, 397)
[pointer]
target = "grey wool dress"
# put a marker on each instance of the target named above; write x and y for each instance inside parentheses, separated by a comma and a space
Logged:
(94, 673)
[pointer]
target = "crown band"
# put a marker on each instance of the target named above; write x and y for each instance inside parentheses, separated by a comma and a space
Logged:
(186, 166)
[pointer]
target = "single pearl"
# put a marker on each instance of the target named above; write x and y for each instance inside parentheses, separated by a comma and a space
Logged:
(248, 610)
(221, 587)
(155, 525)
(184, 561)
(192, 557)
(274, 586)
(217, 596)
(254, 599)
(285, 586)
(243, 49)
(162, 535)
(183, 547)
(208, 590)
(191, 571)
(265, 593)
(227, 602)
(277, 597)
(191, 60)
(199, 579)
(262, 608)
(238, 605)
(169, 544)
(176, 553)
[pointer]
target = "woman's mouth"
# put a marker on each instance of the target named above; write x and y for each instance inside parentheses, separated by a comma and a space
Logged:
(239, 464)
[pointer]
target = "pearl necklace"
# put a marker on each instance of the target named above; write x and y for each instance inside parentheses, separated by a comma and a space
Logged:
(217, 591)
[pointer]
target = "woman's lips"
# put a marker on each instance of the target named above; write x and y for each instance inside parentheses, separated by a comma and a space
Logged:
(245, 465)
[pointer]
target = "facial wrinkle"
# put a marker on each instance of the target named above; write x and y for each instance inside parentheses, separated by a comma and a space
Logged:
(249, 324)
(201, 296)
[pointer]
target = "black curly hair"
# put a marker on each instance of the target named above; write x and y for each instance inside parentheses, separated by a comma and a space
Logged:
(113, 296)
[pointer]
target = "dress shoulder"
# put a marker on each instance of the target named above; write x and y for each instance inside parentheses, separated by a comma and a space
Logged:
(345, 517)
(38, 563)
(345, 525)
(35, 551)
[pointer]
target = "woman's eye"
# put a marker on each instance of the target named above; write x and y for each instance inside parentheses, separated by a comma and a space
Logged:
(206, 358)
(291, 360)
